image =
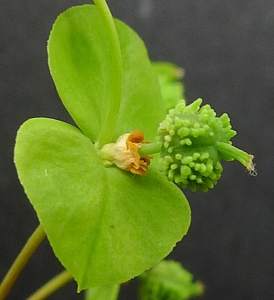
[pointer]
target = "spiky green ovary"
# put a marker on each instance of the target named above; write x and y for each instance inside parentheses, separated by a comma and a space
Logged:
(190, 135)
(168, 281)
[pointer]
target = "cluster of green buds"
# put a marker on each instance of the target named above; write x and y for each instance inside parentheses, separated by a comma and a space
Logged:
(169, 281)
(194, 141)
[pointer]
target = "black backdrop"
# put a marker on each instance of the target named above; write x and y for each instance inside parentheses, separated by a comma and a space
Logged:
(227, 50)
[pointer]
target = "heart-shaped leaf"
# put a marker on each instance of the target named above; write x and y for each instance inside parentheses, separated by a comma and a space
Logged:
(105, 225)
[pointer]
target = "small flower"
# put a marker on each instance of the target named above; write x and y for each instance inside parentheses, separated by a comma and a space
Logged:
(124, 153)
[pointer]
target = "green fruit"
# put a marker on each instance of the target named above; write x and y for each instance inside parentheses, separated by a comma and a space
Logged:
(194, 141)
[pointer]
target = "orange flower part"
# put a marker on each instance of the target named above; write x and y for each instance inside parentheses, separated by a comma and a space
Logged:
(140, 164)
(124, 153)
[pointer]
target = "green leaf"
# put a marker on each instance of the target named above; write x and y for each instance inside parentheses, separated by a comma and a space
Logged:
(142, 106)
(169, 76)
(105, 225)
(80, 60)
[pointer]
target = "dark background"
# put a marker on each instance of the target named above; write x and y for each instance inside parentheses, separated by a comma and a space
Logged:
(227, 51)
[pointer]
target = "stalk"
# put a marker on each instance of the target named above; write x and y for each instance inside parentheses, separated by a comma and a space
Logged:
(20, 262)
(52, 286)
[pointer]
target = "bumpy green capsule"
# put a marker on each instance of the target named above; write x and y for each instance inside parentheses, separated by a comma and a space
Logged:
(168, 281)
(194, 141)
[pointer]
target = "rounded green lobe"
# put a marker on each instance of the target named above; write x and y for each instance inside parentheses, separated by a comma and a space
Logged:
(80, 61)
(105, 225)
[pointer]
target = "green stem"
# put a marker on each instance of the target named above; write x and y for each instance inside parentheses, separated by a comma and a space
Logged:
(109, 127)
(150, 148)
(52, 286)
(31, 245)
(109, 292)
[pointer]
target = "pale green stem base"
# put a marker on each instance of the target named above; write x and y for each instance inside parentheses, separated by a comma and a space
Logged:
(21, 260)
(52, 286)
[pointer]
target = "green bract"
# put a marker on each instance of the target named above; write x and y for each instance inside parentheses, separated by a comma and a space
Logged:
(105, 225)
(194, 141)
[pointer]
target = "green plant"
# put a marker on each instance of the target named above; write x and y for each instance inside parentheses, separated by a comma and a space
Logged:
(109, 210)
